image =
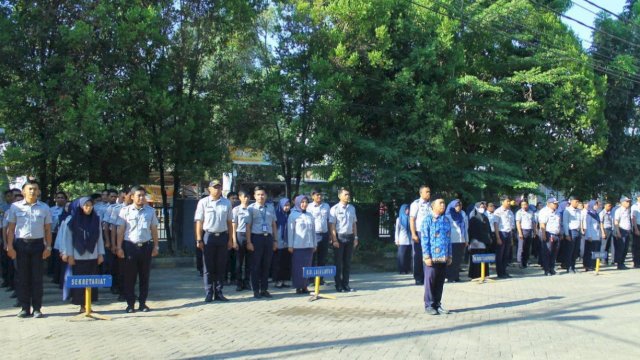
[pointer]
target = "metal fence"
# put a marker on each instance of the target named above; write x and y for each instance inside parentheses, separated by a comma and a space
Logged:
(162, 231)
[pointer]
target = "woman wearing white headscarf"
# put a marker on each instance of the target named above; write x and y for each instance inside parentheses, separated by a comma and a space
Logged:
(302, 242)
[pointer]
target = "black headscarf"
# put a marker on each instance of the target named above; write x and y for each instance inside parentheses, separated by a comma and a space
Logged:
(85, 229)
(479, 227)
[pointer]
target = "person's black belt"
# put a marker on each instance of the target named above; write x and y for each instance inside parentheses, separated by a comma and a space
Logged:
(139, 244)
(30, 241)
(215, 233)
(261, 234)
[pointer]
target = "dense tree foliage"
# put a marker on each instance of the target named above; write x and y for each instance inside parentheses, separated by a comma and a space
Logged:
(474, 98)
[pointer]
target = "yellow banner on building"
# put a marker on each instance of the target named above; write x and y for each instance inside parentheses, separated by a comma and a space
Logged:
(246, 156)
(155, 196)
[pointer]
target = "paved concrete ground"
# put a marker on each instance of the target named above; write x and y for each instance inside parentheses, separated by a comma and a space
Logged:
(527, 317)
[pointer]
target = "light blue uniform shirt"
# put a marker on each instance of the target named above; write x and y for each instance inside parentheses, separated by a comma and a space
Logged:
(635, 213)
(457, 235)
(343, 217)
(419, 209)
(114, 214)
(591, 228)
(302, 230)
(262, 218)
(137, 222)
(56, 212)
(551, 219)
(241, 217)
(526, 218)
(100, 208)
(507, 220)
(571, 219)
(4, 211)
(67, 238)
(213, 214)
(321, 216)
(606, 219)
(623, 217)
(30, 219)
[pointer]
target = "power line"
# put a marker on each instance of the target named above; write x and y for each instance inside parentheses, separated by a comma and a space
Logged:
(605, 10)
(585, 25)
(626, 22)
(611, 72)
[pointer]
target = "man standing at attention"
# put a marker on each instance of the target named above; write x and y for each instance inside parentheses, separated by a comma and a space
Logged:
(137, 231)
(320, 212)
(436, 246)
(506, 225)
(30, 227)
(213, 222)
(344, 233)
(418, 210)
(261, 240)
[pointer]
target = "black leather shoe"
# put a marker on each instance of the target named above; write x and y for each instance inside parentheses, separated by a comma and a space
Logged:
(130, 310)
(265, 294)
(338, 289)
(257, 295)
(347, 289)
(37, 314)
(23, 314)
(220, 297)
(208, 298)
(144, 308)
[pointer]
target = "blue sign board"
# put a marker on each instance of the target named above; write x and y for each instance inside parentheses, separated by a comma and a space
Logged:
(85, 281)
(483, 258)
(310, 272)
(599, 255)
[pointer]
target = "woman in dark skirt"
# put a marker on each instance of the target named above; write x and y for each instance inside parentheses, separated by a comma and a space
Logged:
(459, 238)
(403, 240)
(479, 237)
(282, 258)
(302, 242)
(84, 249)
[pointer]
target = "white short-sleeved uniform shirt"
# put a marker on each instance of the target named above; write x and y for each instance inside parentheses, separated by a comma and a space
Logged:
(30, 219)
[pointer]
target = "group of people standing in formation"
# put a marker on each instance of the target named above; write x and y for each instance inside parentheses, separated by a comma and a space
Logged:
(272, 241)
(114, 233)
(436, 237)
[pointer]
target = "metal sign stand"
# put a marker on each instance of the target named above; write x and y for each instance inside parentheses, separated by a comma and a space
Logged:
(317, 272)
(316, 294)
(87, 306)
(597, 256)
(88, 282)
(483, 260)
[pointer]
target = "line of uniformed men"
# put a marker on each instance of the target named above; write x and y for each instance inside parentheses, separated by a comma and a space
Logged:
(252, 231)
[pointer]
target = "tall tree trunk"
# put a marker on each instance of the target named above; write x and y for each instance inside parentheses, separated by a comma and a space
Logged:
(163, 193)
(177, 210)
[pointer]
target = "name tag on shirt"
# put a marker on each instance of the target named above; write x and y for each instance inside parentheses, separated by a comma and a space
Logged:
(265, 228)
